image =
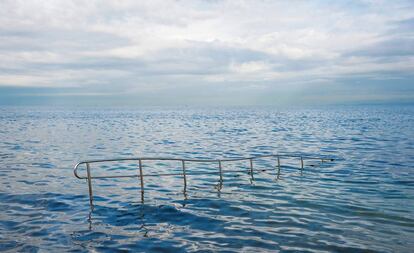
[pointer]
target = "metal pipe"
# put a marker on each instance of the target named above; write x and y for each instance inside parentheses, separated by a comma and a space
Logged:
(184, 175)
(204, 160)
(141, 176)
(76, 168)
(88, 173)
(165, 174)
(278, 167)
(221, 173)
(251, 168)
(301, 163)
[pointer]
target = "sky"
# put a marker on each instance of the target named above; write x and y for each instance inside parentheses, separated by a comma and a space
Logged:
(209, 52)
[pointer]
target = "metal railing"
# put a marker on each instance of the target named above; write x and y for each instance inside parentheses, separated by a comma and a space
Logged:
(184, 172)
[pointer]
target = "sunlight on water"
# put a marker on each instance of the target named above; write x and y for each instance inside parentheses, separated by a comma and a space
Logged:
(362, 201)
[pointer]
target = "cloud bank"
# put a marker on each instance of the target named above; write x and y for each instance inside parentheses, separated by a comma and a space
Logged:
(206, 52)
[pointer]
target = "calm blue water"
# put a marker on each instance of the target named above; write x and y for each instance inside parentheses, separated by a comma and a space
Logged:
(363, 201)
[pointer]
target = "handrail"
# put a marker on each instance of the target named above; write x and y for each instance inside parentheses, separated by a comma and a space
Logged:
(195, 160)
(184, 173)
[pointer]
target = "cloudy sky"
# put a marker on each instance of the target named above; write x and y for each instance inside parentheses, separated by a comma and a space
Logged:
(206, 52)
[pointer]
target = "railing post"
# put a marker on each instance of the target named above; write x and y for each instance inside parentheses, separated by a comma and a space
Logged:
(278, 167)
(184, 175)
(301, 162)
(251, 168)
(141, 176)
(221, 174)
(88, 173)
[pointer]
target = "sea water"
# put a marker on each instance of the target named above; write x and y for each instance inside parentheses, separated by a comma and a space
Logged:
(362, 201)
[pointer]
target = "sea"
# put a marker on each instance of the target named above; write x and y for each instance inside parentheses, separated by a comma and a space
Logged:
(362, 201)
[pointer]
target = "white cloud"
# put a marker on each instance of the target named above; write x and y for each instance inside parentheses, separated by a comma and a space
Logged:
(128, 46)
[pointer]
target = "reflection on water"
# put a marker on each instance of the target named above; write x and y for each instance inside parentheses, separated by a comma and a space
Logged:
(362, 202)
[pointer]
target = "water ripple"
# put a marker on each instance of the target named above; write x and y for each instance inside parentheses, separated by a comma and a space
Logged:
(362, 202)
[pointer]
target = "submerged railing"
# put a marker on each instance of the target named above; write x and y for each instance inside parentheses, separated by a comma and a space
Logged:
(184, 172)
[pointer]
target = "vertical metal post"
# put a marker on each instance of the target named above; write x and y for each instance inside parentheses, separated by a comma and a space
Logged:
(221, 174)
(184, 175)
(278, 167)
(301, 164)
(88, 173)
(251, 168)
(141, 177)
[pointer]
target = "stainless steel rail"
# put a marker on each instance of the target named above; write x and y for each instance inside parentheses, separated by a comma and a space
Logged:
(184, 173)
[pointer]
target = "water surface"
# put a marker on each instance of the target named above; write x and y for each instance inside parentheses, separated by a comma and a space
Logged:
(364, 201)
